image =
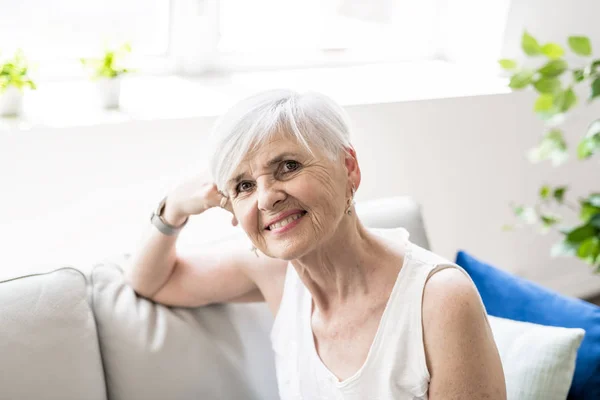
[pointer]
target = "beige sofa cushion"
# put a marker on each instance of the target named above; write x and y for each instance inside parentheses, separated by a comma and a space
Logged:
(48, 342)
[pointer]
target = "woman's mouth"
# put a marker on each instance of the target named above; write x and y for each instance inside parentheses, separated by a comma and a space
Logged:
(286, 223)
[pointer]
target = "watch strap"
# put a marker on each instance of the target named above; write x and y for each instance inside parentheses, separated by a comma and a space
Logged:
(163, 226)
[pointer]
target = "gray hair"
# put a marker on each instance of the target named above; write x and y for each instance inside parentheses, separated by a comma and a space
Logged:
(312, 118)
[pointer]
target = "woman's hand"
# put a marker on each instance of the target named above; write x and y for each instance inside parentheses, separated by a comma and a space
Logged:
(194, 196)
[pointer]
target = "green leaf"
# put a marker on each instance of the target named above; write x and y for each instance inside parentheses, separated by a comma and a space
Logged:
(530, 45)
(590, 144)
(526, 214)
(518, 210)
(545, 192)
(543, 103)
(559, 194)
(580, 45)
(107, 66)
(595, 221)
(589, 249)
(581, 233)
(585, 149)
(588, 211)
(555, 136)
(14, 72)
(552, 147)
(553, 68)
(552, 50)
(521, 79)
(595, 88)
(547, 85)
(548, 220)
(578, 75)
(594, 200)
(566, 99)
(507, 64)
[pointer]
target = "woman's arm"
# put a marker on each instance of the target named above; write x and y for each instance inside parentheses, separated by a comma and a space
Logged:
(461, 353)
(153, 262)
(227, 272)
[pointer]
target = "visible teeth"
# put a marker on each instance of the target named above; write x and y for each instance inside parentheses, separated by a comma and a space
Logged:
(284, 222)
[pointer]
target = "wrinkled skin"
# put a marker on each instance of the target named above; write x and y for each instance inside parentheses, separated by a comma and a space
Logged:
(305, 181)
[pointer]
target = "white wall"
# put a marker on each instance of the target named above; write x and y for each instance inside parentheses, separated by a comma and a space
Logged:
(79, 195)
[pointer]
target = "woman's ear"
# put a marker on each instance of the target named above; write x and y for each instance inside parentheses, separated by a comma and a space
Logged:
(352, 166)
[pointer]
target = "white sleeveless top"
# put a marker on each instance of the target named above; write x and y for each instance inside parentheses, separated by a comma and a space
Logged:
(395, 366)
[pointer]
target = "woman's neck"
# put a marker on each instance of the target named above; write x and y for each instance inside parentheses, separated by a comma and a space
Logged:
(344, 268)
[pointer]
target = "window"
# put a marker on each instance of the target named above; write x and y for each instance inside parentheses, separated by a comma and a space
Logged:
(369, 30)
(225, 33)
(55, 30)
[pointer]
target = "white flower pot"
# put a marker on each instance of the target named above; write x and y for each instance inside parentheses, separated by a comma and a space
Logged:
(11, 101)
(109, 91)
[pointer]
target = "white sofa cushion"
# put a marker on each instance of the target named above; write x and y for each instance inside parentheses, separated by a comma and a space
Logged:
(393, 212)
(538, 360)
(48, 343)
(151, 351)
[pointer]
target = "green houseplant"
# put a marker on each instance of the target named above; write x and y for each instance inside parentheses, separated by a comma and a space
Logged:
(106, 72)
(556, 83)
(14, 79)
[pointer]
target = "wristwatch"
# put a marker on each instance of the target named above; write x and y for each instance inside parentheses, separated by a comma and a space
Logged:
(158, 221)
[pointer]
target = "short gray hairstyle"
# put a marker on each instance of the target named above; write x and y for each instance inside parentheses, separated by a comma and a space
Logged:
(314, 119)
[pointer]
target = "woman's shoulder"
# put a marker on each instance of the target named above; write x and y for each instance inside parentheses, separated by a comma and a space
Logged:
(443, 280)
(439, 273)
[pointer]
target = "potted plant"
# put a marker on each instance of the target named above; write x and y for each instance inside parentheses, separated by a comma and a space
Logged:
(107, 71)
(555, 82)
(14, 79)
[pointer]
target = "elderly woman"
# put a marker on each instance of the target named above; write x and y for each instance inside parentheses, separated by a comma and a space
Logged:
(359, 313)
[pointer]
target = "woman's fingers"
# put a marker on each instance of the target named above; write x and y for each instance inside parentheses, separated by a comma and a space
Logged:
(225, 203)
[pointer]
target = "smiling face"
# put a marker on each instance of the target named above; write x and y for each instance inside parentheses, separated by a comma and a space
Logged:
(288, 200)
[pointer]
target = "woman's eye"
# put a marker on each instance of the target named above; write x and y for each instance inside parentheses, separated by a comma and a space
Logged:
(290, 165)
(243, 186)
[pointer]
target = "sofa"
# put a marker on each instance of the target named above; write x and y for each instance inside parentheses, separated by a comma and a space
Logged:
(72, 335)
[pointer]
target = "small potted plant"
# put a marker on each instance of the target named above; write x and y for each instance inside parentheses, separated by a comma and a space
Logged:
(14, 79)
(107, 72)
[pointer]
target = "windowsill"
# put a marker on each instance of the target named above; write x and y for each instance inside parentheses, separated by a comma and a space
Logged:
(147, 98)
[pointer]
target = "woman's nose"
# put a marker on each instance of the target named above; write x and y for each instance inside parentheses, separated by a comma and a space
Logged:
(269, 194)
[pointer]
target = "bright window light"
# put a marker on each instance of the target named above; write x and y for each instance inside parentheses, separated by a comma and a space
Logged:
(68, 29)
(192, 33)
(392, 26)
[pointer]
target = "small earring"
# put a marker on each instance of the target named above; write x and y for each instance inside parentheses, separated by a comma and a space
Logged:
(351, 201)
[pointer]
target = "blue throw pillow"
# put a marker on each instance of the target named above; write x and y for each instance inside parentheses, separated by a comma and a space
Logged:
(508, 296)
